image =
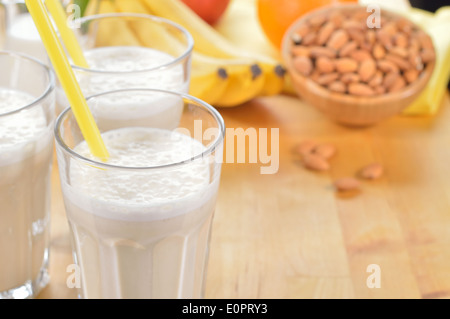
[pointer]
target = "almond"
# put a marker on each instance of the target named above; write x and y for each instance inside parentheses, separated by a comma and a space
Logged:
(424, 40)
(398, 84)
(352, 24)
(325, 32)
(390, 79)
(318, 20)
(427, 55)
(315, 163)
(401, 40)
(399, 51)
(360, 89)
(371, 37)
(325, 65)
(356, 35)
(390, 28)
(372, 171)
(378, 51)
(306, 147)
(348, 78)
(411, 75)
(347, 49)
(403, 64)
(416, 62)
(367, 70)
(380, 90)
(303, 65)
(405, 26)
(327, 78)
(387, 66)
(338, 39)
(377, 79)
(338, 87)
(337, 18)
(360, 55)
(309, 39)
(345, 65)
(302, 30)
(300, 50)
(347, 184)
(318, 51)
(326, 151)
(414, 46)
(384, 38)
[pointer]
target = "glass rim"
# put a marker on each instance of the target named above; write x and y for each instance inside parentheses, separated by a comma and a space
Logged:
(97, 163)
(51, 80)
(176, 60)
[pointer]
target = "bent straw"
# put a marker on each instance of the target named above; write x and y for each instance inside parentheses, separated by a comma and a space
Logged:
(68, 36)
(67, 78)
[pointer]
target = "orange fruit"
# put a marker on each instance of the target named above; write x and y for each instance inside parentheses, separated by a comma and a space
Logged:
(275, 16)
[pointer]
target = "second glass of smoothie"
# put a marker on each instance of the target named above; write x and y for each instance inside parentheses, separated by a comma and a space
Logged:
(126, 50)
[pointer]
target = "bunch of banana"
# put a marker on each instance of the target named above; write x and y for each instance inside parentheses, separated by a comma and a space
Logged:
(223, 74)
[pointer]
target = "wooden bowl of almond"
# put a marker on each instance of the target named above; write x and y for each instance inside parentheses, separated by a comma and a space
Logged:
(357, 67)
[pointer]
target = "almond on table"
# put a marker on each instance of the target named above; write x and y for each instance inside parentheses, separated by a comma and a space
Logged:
(346, 184)
(372, 171)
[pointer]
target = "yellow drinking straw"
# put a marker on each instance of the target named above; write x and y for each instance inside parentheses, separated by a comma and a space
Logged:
(67, 78)
(68, 36)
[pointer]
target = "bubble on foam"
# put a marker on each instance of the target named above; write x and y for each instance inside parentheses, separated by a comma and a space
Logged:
(22, 126)
(129, 59)
(143, 147)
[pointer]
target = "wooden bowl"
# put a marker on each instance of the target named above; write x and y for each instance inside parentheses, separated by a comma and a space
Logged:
(345, 108)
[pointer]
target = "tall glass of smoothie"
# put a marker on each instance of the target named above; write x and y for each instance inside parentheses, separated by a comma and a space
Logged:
(141, 221)
(18, 32)
(26, 146)
(126, 50)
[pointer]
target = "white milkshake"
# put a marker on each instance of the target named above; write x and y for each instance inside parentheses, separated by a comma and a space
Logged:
(122, 67)
(26, 147)
(22, 36)
(141, 233)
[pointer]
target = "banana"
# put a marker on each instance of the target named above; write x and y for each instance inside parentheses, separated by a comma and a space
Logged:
(275, 78)
(210, 85)
(241, 80)
(222, 75)
(240, 26)
(149, 34)
(112, 32)
(209, 41)
(245, 83)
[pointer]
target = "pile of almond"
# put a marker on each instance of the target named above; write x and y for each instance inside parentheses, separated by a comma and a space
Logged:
(317, 157)
(339, 51)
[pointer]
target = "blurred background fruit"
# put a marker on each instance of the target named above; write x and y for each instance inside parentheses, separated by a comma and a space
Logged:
(275, 16)
(209, 10)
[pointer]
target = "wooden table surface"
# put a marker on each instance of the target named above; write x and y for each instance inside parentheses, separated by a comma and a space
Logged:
(289, 235)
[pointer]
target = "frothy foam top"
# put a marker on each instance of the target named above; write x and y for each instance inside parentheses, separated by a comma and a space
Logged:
(19, 127)
(129, 59)
(143, 147)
